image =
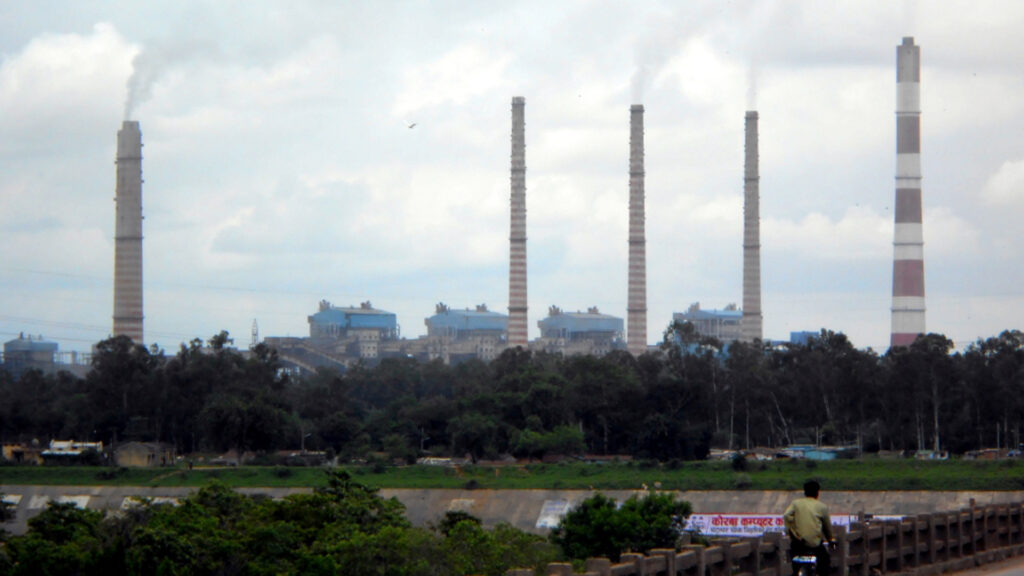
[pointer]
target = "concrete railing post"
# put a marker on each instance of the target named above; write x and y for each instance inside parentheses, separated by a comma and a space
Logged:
(842, 551)
(636, 560)
(700, 564)
(670, 559)
(865, 565)
(559, 569)
(776, 556)
(599, 566)
(932, 540)
(900, 546)
(915, 525)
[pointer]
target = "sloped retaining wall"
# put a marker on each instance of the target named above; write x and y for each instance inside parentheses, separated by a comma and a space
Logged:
(530, 510)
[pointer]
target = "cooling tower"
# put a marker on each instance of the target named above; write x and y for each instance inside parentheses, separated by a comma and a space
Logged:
(750, 325)
(128, 234)
(908, 245)
(636, 307)
(517, 335)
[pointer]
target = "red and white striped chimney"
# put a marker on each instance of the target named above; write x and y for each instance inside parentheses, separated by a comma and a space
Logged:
(517, 327)
(636, 307)
(128, 234)
(908, 309)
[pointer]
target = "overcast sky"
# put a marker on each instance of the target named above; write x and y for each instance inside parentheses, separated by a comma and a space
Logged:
(280, 169)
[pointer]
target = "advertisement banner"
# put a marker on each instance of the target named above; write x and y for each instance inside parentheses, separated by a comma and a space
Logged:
(746, 524)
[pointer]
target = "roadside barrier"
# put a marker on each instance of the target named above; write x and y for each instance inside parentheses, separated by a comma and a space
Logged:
(925, 544)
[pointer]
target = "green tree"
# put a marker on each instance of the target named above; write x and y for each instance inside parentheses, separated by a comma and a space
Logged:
(597, 528)
(62, 539)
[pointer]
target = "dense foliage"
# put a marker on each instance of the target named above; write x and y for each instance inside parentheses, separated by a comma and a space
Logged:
(598, 527)
(344, 528)
(675, 403)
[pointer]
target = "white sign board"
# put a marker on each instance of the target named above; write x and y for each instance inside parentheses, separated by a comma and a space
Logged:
(746, 524)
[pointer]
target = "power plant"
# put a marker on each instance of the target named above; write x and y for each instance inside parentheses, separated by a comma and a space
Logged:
(750, 325)
(517, 325)
(908, 243)
(343, 334)
(128, 234)
(636, 303)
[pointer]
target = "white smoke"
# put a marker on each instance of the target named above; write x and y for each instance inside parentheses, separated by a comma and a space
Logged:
(639, 83)
(658, 43)
(153, 61)
(145, 71)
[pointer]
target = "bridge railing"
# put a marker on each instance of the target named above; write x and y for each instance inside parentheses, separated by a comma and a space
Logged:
(926, 543)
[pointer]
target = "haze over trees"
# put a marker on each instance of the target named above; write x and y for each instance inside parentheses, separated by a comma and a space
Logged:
(675, 403)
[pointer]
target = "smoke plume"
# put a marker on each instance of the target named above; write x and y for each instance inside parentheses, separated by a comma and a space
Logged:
(153, 61)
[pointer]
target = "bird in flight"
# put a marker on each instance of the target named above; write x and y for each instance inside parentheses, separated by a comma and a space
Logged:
(411, 125)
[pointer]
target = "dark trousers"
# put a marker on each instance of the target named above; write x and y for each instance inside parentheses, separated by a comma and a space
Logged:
(820, 552)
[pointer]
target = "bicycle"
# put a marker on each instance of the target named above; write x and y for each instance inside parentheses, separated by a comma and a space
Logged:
(805, 565)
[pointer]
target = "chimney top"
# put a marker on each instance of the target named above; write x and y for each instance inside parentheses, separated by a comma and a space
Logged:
(908, 40)
(751, 114)
(636, 108)
(518, 100)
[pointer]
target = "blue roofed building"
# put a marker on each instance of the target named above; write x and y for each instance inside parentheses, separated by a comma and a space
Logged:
(352, 331)
(338, 338)
(722, 324)
(458, 335)
(28, 353)
(587, 332)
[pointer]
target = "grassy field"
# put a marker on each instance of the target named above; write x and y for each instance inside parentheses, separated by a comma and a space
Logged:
(865, 474)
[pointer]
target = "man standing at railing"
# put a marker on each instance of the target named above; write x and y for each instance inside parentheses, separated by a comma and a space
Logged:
(809, 528)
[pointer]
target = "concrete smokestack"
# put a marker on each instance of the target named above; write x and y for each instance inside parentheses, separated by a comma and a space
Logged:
(908, 244)
(517, 328)
(128, 234)
(636, 308)
(751, 324)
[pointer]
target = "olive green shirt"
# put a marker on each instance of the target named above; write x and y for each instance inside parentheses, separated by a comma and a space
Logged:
(808, 520)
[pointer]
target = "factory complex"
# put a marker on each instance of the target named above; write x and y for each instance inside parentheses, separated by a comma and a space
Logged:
(341, 336)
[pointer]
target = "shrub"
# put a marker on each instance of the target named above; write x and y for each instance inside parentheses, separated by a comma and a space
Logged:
(596, 527)
(739, 462)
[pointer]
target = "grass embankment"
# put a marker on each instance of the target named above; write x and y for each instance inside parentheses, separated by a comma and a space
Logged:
(866, 474)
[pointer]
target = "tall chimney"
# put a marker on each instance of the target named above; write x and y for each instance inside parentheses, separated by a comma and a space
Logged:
(517, 330)
(908, 244)
(636, 307)
(128, 234)
(750, 325)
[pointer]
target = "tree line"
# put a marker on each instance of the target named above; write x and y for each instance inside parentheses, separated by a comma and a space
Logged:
(678, 402)
(341, 528)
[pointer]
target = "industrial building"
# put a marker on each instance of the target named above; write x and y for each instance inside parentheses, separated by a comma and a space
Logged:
(724, 324)
(458, 335)
(587, 332)
(28, 353)
(340, 337)
(353, 331)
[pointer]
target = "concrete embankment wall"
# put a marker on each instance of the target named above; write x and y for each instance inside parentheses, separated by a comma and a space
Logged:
(531, 510)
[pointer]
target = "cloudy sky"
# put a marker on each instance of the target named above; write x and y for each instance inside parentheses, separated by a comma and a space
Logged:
(280, 170)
